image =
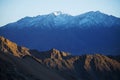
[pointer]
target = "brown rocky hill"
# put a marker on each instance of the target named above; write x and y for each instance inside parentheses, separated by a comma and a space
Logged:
(20, 63)
(85, 67)
(11, 47)
(16, 63)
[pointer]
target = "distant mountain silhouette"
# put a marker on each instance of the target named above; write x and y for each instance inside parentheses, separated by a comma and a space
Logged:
(86, 33)
(54, 64)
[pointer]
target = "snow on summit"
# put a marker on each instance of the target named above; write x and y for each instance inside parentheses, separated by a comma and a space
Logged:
(57, 13)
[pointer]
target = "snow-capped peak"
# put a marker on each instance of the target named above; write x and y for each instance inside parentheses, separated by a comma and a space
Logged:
(61, 19)
(57, 13)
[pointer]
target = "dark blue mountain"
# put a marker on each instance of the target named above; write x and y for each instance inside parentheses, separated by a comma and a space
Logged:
(92, 32)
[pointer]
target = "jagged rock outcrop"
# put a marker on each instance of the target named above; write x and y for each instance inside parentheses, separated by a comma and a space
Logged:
(97, 67)
(11, 47)
(54, 59)
(16, 63)
(85, 67)
(24, 64)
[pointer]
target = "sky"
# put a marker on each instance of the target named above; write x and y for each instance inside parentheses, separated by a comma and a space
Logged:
(13, 10)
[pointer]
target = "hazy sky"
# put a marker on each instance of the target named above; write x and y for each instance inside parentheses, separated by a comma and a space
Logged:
(12, 10)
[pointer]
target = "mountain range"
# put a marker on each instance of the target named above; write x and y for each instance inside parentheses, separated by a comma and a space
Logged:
(91, 32)
(21, 63)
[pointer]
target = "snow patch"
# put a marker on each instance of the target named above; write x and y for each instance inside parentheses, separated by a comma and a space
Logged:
(57, 13)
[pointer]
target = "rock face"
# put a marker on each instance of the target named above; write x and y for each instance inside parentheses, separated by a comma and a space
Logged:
(85, 67)
(97, 67)
(11, 47)
(17, 64)
(25, 64)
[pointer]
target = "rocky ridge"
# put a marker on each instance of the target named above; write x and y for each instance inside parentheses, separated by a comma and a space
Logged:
(25, 64)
